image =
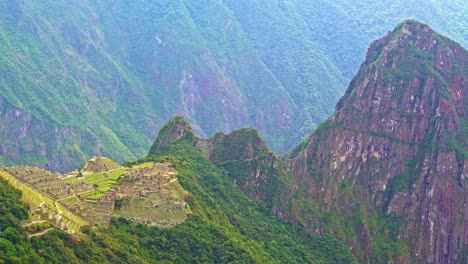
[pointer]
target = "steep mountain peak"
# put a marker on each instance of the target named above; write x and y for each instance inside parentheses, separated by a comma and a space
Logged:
(177, 128)
(412, 27)
(398, 137)
(407, 32)
(412, 69)
(180, 121)
(418, 42)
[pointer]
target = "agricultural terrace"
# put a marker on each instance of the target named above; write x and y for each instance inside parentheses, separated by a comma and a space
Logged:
(148, 193)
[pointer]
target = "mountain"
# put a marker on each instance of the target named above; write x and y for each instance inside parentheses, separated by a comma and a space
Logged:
(223, 225)
(87, 78)
(386, 172)
(381, 181)
(397, 144)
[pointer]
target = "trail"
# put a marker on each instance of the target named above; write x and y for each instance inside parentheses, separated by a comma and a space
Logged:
(33, 223)
(41, 233)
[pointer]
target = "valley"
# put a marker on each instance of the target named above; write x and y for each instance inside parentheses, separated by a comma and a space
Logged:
(102, 78)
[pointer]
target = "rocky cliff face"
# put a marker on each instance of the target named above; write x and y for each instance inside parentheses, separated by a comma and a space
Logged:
(386, 173)
(398, 141)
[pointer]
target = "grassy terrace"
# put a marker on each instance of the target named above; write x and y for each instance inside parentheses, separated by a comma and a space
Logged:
(69, 200)
(102, 181)
(152, 194)
(34, 198)
(143, 165)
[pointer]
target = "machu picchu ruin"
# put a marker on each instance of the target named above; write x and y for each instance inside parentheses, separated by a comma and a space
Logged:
(147, 193)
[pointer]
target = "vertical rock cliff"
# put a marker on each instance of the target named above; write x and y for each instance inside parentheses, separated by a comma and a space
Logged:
(398, 142)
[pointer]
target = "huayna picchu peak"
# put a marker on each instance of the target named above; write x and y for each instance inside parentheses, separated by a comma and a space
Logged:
(382, 180)
(177, 128)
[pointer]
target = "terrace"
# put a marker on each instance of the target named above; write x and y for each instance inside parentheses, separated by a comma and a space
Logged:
(148, 193)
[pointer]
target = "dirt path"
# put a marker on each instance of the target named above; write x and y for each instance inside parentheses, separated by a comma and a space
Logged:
(41, 233)
(33, 223)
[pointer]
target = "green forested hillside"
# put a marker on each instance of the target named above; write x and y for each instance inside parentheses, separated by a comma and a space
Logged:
(226, 227)
(82, 78)
(260, 175)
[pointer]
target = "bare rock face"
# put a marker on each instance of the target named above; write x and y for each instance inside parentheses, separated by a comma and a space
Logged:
(399, 138)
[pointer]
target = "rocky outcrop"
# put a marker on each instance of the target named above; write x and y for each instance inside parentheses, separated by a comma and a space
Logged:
(399, 139)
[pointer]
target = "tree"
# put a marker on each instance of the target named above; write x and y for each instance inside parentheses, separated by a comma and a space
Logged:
(95, 189)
